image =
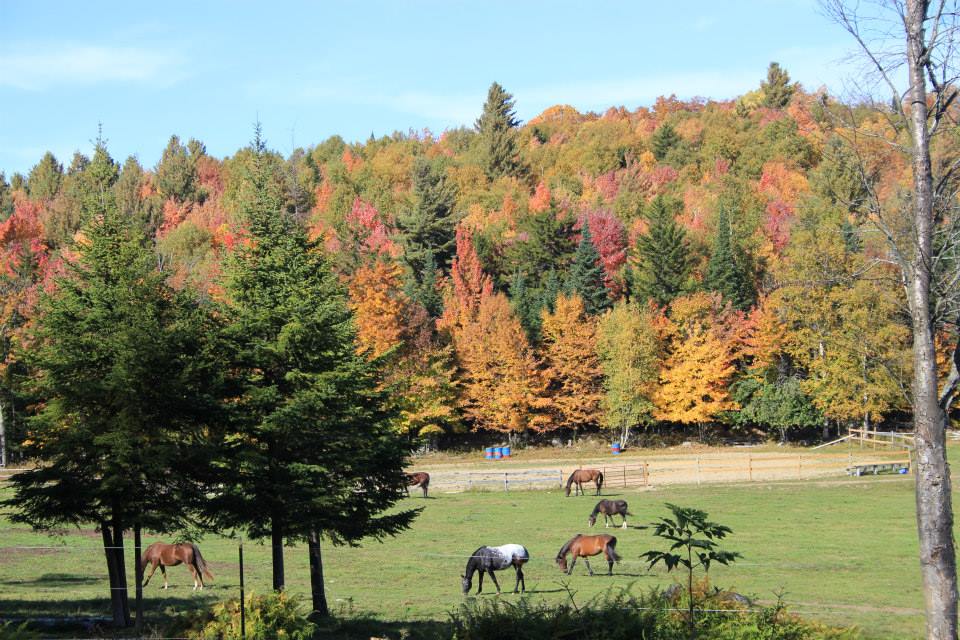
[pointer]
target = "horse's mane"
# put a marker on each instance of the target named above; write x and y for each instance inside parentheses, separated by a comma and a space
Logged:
(596, 509)
(570, 479)
(566, 547)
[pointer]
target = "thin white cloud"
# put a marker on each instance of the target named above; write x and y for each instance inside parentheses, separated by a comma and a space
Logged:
(38, 66)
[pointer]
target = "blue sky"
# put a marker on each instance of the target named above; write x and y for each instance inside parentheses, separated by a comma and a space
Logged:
(309, 70)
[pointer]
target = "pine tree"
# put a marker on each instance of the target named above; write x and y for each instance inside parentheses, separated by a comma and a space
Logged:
(777, 89)
(727, 272)
(44, 180)
(6, 198)
(663, 140)
(586, 277)
(661, 261)
(176, 173)
(428, 230)
(126, 379)
(314, 452)
(497, 128)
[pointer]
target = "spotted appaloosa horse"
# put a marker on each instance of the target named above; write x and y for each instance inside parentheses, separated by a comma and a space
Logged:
(610, 508)
(163, 555)
(490, 559)
(581, 546)
(417, 479)
(580, 476)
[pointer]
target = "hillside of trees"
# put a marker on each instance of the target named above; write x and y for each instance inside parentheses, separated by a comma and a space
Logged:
(696, 263)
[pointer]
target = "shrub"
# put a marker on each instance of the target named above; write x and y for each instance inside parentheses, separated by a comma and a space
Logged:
(277, 615)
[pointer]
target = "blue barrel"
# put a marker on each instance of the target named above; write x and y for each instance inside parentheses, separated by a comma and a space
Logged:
(615, 448)
(505, 451)
(488, 453)
(497, 453)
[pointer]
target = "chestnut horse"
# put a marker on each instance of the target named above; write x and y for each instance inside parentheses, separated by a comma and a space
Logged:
(585, 475)
(610, 508)
(163, 555)
(417, 479)
(581, 546)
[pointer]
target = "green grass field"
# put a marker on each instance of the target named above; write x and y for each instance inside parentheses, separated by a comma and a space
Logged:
(843, 552)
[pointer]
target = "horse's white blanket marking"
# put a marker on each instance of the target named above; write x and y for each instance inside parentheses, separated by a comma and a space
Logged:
(508, 552)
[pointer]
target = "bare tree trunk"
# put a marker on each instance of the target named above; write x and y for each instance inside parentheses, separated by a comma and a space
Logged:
(138, 574)
(118, 605)
(3, 435)
(276, 535)
(316, 575)
(934, 509)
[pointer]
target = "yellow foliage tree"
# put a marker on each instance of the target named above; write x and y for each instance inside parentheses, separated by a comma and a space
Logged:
(572, 370)
(379, 306)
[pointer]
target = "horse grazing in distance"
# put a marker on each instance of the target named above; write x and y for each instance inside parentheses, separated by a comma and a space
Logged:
(163, 555)
(581, 546)
(610, 508)
(580, 476)
(490, 559)
(417, 479)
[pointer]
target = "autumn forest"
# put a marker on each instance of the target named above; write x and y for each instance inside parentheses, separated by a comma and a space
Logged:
(705, 265)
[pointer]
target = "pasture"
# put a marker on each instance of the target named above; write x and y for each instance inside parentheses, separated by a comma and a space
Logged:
(843, 551)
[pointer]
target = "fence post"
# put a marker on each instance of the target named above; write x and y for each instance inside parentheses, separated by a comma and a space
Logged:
(800, 467)
(243, 604)
(469, 481)
(506, 483)
(646, 480)
(750, 465)
(698, 471)
(624, 467)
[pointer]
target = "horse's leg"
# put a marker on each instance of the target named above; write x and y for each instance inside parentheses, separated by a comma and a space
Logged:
(153, 570)
(424, 487)
(587, 562)
(163, 570)
(406, 490)
(516, 587)
(480, 583)
(193, 572)
(607, 551)
(523, 583)
(624, 525)
(493, 576)
(573, 561)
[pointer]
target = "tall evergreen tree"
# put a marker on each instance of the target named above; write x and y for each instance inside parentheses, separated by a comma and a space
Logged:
(586, 278)
(663, 140)
(314, 453)
(549, 246)
(428, 230)
(125, 373)
(727, 271)
(177, 172)
(661, 260)
(497, 128)
(6, 198)
(44, 180)
(777, 89)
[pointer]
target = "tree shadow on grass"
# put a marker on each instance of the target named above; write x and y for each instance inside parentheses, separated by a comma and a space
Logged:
(54, 580)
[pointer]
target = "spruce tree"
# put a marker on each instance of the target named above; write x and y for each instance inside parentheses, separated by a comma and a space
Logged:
(497, 128)
(176, 172)
(663, 140)
(727, 271)
(777, 90)
(586, 277)
(661, 260)
(125, 385)
(313, 452)
(6, 198)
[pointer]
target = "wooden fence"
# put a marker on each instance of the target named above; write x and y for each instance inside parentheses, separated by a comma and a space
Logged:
(706, 469)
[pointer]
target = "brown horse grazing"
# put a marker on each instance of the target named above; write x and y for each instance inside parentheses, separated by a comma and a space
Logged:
(610, 508)
(417, 479)
(163, 555)
(584, 475)
(581, 546)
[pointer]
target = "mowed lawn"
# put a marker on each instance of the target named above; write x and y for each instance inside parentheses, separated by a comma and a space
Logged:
(841, 551)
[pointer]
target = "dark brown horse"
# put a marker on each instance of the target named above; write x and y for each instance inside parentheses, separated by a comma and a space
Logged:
(580, 476)
(581, 546)
(610, 508)
(417, 479)
(163, 555)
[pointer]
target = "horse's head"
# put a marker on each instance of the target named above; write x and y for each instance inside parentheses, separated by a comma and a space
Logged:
(567, 490)
(592, 520)
(465, 584)
(562, 563)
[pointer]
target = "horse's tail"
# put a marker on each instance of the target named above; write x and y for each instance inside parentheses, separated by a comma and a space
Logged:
(200, 563)
(599, 479)
(612, 550)
(570, 482)
(144, 559)
(565, 549)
